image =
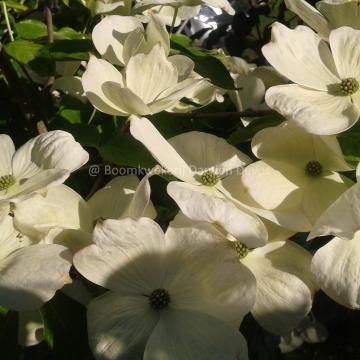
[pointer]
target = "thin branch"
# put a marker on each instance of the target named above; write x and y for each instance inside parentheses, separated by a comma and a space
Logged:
(7, 21)
(249, 113)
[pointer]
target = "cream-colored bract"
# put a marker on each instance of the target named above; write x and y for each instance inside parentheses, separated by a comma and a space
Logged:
(30, 273)
(336, 265)
(327, 15)
(205, 298)
(160, 87)
(281, 186)
(284, 283)
(319, 101)
(44, 161)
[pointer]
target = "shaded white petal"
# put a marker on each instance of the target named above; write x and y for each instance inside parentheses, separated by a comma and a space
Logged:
(274, 185)
(221, 4)
(183, 64)
(344, 46)
(342, 218)
(284, 285)
(7, 150)
(127, 256)
(121, 197)
(289, 143)
(201, 206)
(124, 98)
(120, 326)
(61, 208)
(36, 183)
(208, 151)
(156, 33)
(222, 287)
(317, 112)
(10, 238)
(173, 94)
(340, 13)
(52, 150)
(320, 193)
(144, 131)
(309, 15)
(31, 275)
(31, 328)
(187, 335)
(97, 72)
(291, 218)
(109, 36)
(336, 267)
(302, 56)
(158, 74)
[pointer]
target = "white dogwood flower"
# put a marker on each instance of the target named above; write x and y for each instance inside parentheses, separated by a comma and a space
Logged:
(202, 168)
(161, 85)
(284, 284)
(30, 273)
(325, 98)
(46, 160)
(296, 179)
(336, 264)
(167, 299)
(327, 15)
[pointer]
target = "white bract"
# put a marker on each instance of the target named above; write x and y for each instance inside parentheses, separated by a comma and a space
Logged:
(202, 167)
(167, 299)
(44, 161)
(336, 264)
(142, 5)
(117, 38)
(328, 14)
(30, 273)
(284, 284)
(161, 85)
(325, 98)
(296, 179)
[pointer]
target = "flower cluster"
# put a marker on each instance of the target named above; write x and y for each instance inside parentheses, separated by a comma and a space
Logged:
(181, 290)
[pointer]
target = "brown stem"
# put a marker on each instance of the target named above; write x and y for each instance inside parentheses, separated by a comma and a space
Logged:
(249, 113)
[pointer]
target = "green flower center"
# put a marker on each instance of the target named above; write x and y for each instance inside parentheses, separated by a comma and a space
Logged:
(241, 249)
(313, 169)
(209, 178)
(159, 299)
(349, 86)
(6, 181)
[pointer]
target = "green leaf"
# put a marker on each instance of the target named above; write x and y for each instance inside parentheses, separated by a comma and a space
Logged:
(63, 50)
(206, 64)
(123, 149)
(16, 5)
(350, 145)
(23, 51)
(31, 29)
(246, 133)
(65, 328)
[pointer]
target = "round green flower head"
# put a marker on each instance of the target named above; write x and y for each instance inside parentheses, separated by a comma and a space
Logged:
(209, 178)
(241, 249)
(313, 168)
(159, 299)
(349, 86)
(6, 181)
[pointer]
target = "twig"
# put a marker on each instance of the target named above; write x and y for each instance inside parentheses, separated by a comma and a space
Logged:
(249, 113)
(174, 20)
(7, 20)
